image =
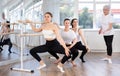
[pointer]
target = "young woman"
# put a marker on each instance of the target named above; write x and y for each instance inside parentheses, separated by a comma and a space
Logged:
(54, 42)
(70, 39)
(80, 36)
(107, 31)
(5, 40)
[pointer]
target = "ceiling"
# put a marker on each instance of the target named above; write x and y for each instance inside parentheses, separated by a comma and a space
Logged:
(11, 4)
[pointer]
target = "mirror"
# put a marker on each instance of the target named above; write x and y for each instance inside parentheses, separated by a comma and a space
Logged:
(12, 13)
(20, 10)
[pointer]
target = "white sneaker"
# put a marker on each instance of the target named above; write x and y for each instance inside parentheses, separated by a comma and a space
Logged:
(41, 66)
(110, 61)
(105, 59)
(61, 69)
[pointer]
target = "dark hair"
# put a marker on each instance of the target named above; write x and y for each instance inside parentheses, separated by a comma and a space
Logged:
(9, 24)
(73, 21)
(49, 13)
(66, 19)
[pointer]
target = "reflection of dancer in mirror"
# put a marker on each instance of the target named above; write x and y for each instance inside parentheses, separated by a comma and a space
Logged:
(80, 38)
(106, 29)
(5, 31)
(54, 42)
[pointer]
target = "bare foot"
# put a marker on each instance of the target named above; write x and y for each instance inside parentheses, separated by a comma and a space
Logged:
(57, 61)
(73, 63)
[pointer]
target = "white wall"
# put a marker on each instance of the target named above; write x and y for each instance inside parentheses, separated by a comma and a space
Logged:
(96, 41)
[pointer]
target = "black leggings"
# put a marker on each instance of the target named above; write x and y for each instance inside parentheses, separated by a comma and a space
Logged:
(6, 42)
(51, 47)
(108, 42)
(74, 52)
(80, 47)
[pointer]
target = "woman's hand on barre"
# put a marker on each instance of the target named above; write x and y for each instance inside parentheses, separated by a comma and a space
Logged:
(22, 21)
(9, 24)
(32, 22)
(14, 23)
(28, 21)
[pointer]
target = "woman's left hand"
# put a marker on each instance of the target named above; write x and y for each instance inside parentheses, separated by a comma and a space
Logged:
(67, 51)
(69, 47)
(88, 49)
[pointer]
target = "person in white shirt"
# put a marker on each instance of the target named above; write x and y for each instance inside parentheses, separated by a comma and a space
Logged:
(80, 38)
(106, 21)
(70, 39)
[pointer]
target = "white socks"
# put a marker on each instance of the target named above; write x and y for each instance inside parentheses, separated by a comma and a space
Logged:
(41, 66)
(107, 59)
(61, 68)
(110, 61)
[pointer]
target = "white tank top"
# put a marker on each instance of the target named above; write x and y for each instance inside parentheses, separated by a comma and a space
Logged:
(48, 34)
(77, 34)
(68, 36)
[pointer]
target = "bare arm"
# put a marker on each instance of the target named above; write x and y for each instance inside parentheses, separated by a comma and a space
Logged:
(36, 29)
(73, 43)
(83, 38)
(59, 38)
(100, 31)
(32, 24)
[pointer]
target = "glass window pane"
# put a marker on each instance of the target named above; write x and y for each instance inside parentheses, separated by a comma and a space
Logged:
(115, 0)
(86, 15)
(85, 0)
(66, 0)
(115, 10)
(102, 0)
(66, 11)
(99, 11)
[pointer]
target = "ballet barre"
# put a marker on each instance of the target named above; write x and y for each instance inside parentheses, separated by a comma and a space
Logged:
(9, 24)
(21, 54)
(8, 33)
(28, 21)
(22, 35)
(36, 34)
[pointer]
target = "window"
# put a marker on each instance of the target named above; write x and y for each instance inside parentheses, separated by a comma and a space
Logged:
(85, 15)
(34, 13)
(66, 11)
(102, 0)
(85, 0)
(15, 14)
(115, 10)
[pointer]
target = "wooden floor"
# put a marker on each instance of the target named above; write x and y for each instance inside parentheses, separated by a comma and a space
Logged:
(93, 67)
(5, 55)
